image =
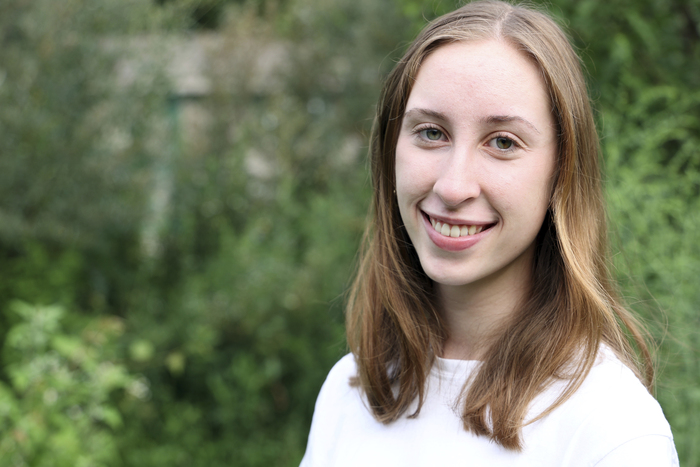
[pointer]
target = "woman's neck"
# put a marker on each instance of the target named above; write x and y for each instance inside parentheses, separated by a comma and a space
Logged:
(476, 313)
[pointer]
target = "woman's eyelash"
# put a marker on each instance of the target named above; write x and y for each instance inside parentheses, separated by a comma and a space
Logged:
(423, 129)
(425, 126)
(503, 139)
(502, 142)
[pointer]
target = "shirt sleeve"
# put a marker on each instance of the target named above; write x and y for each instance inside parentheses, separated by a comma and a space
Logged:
(644, 451)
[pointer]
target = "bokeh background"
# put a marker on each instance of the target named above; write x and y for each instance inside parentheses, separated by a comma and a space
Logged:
(183, 187)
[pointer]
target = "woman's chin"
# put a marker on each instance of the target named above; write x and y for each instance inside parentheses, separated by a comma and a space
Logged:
(449, 278)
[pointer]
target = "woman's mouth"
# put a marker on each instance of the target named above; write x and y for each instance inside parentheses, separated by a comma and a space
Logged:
(456, 230)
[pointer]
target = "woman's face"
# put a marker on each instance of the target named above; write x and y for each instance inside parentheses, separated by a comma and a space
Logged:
(474, 163)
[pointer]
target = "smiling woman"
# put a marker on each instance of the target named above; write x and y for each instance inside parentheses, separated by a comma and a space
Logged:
(483, 323)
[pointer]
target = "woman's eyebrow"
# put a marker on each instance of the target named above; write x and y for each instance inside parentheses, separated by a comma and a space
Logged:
(499, 119)
(426, 113)
(490, 120)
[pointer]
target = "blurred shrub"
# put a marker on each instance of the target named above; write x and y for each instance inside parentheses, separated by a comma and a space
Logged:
(57, 407)
(653, 160)
(643, 59)
(260, 242)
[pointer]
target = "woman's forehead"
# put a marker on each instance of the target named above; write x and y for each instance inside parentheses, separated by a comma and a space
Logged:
(482, 80)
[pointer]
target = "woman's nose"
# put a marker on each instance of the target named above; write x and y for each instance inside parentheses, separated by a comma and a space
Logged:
(458, 178)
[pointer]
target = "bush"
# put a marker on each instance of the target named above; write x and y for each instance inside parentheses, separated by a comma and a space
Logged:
(58, 407)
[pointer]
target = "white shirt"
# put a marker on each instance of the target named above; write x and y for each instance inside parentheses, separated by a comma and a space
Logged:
(611, 420)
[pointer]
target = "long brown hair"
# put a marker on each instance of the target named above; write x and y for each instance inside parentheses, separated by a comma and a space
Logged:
(393, 326)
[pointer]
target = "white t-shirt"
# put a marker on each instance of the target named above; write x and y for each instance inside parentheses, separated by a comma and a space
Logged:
(611, 421)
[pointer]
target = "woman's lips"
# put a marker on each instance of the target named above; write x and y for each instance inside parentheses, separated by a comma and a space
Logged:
(454, 237)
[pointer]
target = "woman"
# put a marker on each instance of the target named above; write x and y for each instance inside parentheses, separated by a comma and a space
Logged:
(483, 322)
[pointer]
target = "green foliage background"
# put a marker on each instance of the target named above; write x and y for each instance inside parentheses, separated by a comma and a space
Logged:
(168, 302)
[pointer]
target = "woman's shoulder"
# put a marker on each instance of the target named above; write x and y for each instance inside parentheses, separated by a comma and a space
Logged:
(336, 399)
(345, 366)
(611, 412)
(339, 376)
(337, 385)
(613, 391)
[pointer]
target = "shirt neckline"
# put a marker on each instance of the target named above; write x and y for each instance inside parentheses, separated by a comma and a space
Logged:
(452, 367)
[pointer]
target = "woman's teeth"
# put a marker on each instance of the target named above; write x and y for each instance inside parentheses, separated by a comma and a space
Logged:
(455, 230)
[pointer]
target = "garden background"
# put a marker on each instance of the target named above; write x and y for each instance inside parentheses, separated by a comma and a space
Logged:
(183, 187)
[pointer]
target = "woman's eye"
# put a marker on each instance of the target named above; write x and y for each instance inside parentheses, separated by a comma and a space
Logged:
(504, 143)
(432, 134)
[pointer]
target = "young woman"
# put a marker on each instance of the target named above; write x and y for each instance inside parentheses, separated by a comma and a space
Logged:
(483, 322)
